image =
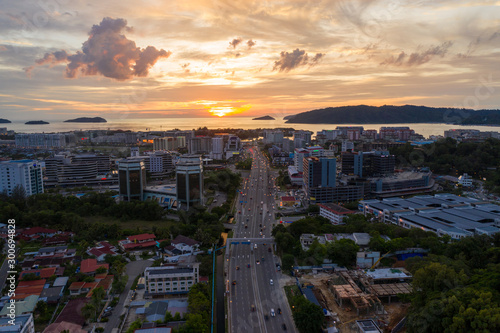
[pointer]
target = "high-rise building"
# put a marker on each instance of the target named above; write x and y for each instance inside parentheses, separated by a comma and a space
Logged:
(217, 152)
(300, 154)
(169, 143)
(44, 140)
(273, 136)
(368, 164)
(200, 145)
(76, 170)
(132, 179)
(189, 178)
(24, 173)
(347, 145)
(304, 135)
(160, 164)
(319, 172)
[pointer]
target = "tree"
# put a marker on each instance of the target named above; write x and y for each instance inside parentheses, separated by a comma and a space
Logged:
(41, 307)
(195, 324)
(288, 262)
(308, 317)
(89, 311)
(343, 252)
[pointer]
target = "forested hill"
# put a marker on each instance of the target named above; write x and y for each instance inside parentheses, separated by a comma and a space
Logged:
(390, 114)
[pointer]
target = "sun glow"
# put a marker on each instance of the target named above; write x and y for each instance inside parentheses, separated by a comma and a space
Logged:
(221, 111)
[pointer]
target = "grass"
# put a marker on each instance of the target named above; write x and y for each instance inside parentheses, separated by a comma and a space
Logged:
(291, 292)
(209, 201)
(130, 224)
(134, 284)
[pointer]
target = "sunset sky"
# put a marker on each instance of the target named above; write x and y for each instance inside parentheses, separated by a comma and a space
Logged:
(61, 59)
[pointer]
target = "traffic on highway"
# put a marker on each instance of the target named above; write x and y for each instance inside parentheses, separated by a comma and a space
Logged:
(257, 301)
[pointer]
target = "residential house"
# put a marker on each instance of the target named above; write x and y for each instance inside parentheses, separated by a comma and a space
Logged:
(43, 273)
(34, 233)
(78, 288)
(25, 306)
(138, 242)
(101, 250)
(185, 244)
(89, 266)
(21, 324)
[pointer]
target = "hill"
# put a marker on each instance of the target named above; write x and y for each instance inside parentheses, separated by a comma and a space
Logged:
(36, 122)
(390, 114)
(264, 118)
(4, 121)
(86, 120)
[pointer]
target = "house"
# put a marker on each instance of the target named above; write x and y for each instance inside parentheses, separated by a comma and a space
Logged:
(138, 242)
(52, 295)
(89, 266)
(43, 273)
(288, 201)
(25, 306)
(101, 250)
(35, 233)
(78, 288)
(335, 213)
(156, 311)
(21, 324)
(55, 252)
(25, 289)
(185, 244)
(105, 284)
(61, 238)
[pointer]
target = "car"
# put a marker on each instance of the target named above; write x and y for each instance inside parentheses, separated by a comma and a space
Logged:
(257, 262)
(239, 212)
(234, 282)
(252, 308)
(255, 246)
(269, 249)
(109, 308)
(279, 268)
(246, 226)
(279, 310)
(266, 317)
(283, 326)
(272, 313)
(270, 282)
(260, 225)
(261, 233)
(248, 209)
(263, 259)
(237, 268)
(106, 314)
(248, 265)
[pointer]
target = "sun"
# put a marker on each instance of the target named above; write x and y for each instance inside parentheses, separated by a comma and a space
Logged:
(221, 111)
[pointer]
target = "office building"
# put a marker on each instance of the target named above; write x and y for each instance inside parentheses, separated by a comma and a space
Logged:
(171, 279)
(200, 145)
(189, 179)
(217, 152)
(396, 133)
(305, 136)
(301, 153)
(368, 164)
(160, 164)
(169, 143)
(24, 173)
(273, 136)
(328, 135)
(78, 170)
(347, 145)
(44, 140)
(233, 146)
(132, 179)
(343, 130)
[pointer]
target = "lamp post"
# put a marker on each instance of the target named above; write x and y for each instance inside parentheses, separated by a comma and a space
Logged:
(213, 284)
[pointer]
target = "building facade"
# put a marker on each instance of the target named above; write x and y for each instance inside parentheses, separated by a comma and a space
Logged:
(176, 279)
(132, 179)
(24, 173)
(189, 179)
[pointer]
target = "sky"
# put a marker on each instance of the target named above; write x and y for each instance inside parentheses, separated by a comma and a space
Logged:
(61, 59)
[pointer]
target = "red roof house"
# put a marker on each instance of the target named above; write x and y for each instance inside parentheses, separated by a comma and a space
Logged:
(89, 266)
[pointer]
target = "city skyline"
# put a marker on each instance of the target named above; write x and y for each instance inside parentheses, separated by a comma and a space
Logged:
(118, 59)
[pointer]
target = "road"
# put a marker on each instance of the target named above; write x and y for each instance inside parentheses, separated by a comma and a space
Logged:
(252, 266)
(133, 269)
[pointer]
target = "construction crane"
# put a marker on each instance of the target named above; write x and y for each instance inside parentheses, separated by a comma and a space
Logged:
(375, 264)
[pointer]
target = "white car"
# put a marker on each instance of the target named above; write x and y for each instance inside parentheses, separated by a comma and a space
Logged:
(271, 282)
(272, 313)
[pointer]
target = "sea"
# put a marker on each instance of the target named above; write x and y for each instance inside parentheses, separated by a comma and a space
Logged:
(164, 124)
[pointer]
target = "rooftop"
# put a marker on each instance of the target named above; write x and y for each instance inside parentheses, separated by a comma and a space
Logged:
(387, 273)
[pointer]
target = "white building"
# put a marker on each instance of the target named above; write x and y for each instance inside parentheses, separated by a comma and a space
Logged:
(175, 279)
(301, 153)
(465, 180)
(273, 136)
(44, 140)
(25, 173)
(334, 213)
(347, 145)
(22, 324)
(217, 148)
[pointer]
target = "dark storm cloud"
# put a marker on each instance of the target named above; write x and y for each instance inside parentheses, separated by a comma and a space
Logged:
(107, 52)
(235, 42)
(419, 58)
(295, 59)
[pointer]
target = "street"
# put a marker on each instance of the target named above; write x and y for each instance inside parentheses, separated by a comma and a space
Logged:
(255, 293)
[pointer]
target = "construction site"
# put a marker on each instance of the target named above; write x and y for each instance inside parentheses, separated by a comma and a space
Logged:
(360, 300)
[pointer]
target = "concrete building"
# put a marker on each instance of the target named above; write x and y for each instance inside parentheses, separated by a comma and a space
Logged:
(169, 143)
(396, 133)
(24, 173)
(368, 164)
(301, 153)
(132, 179)
(22, 324)
(347, 145)
(171, 279)
(273, 136)
(189, 179)
(465, 180)
(334, 213)
(77, 170)
(160, 164)
(200, 145)
(217, 152)
(44, 140)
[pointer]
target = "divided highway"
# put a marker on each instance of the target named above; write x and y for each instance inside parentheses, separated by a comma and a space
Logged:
(257, 302)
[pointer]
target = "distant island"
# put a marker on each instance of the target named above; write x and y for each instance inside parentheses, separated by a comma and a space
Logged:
(36, 122)
(288, 117)
(86, 120)
(390, 114)
(4, 121)
(264, 118)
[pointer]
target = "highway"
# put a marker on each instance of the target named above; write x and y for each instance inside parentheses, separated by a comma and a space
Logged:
(252, 263)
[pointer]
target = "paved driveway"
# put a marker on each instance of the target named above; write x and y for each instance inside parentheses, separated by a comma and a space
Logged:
(134, 268)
